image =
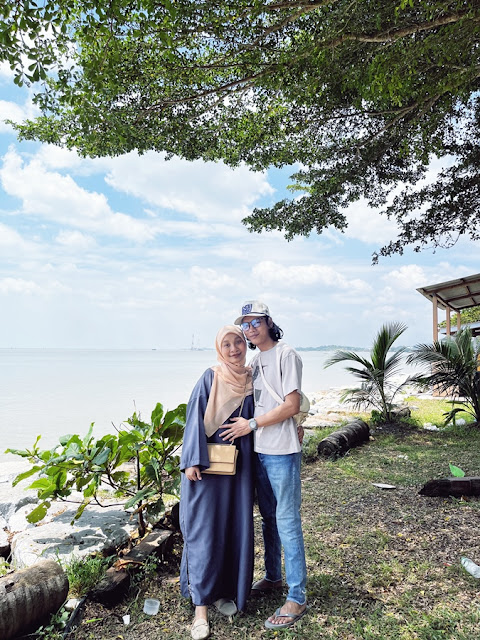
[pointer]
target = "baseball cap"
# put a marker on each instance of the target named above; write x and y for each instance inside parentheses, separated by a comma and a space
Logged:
(253, 308)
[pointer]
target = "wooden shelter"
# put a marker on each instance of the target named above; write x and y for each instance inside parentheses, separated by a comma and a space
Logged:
(454, 295)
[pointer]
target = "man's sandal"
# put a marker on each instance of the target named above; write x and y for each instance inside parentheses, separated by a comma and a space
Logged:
(283, 625)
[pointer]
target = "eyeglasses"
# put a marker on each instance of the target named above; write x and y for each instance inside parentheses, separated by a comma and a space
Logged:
(253, 324)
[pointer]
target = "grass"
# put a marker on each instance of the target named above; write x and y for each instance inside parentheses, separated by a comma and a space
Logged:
(382, 564)
(85, 573)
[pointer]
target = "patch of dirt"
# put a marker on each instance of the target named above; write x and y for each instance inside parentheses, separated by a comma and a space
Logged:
(372, 554)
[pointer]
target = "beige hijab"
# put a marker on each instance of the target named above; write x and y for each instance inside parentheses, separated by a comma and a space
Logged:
(231, 383)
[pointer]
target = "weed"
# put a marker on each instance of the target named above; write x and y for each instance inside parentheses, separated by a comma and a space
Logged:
(4, 567)
(54, 629)
(85, 573)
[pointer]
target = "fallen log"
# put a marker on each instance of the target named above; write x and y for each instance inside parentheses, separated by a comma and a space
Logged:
(339, 442)
(29, 596)
(117, 579)
(456, 487)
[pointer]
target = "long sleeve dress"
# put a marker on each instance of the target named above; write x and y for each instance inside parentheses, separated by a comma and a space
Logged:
(216, 513)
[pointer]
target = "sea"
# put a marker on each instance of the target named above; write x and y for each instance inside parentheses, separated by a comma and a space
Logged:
(54, 392)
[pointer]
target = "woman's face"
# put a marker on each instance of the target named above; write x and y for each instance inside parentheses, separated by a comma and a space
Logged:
(233, 348)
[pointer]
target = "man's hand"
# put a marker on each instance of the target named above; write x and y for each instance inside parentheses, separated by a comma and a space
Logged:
(239, 428)
(193, 473)
(300, 433)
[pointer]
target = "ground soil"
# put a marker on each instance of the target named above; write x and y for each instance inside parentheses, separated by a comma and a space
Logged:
(354, 532)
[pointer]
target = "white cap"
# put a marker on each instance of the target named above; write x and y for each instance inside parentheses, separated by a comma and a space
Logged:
(253, 308)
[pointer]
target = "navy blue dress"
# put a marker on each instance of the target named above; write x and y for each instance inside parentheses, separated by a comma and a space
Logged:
(216, 513)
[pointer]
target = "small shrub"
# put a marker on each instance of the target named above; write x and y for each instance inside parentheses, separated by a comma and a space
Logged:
(85, 573)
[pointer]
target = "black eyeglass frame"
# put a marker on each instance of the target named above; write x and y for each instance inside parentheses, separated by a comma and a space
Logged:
(255, 323)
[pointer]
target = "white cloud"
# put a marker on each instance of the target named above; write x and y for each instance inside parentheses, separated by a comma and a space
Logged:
(10, 238)
(75, 240)
(18, 285)
(407, 278)
(206, 190)
(367, 225)
(271, 273)
(210, 278)
(58, 198)
(6, 74)
(10, 111)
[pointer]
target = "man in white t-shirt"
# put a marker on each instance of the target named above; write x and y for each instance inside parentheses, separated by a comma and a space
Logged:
(277, 381)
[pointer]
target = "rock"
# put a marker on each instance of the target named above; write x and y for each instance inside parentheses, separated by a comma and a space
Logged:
(400, 413)
(99, 529)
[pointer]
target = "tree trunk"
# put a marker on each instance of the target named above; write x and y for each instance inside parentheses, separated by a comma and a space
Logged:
(29, 596)
(339, 442)
(451, 487)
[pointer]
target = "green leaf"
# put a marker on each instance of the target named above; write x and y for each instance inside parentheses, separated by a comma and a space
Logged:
(157, 415)
(39, 512)
(141, 495)
(87, 438)
(101, 457)
(42, 484)
(79, 511)
(25, 474)
(456, 471)
(90, 490)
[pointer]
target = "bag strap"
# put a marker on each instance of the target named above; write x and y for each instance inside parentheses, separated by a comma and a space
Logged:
(273, 393)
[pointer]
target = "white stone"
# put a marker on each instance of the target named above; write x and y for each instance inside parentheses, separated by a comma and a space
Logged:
(96, 530)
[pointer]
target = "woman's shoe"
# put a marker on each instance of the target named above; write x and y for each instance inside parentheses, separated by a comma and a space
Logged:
(200, 629)
(225, 606)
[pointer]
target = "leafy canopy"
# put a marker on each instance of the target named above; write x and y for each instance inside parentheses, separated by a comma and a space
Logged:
(365, 96)
(472, 314)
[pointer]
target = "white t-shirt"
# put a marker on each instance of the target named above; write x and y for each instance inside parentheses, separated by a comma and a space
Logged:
(282, 368)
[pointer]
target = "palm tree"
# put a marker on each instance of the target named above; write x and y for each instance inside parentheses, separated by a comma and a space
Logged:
(452, 369)
(377, 387)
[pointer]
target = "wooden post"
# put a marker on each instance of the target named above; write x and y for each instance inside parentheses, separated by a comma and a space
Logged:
(449, 324)
(435, 318)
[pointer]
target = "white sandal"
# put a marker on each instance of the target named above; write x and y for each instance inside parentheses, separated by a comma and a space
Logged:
(225, 606)
(200, 629)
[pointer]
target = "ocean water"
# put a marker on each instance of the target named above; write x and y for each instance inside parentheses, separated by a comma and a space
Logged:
(53, 392)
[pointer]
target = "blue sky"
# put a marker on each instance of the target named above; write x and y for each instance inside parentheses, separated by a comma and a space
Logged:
(139, 252)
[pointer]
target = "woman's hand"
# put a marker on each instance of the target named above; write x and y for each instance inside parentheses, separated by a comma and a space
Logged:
(193, 473)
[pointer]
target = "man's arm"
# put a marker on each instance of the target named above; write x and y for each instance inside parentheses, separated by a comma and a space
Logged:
(289, 407)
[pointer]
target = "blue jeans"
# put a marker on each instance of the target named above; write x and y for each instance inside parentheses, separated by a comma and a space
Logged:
(279, 501)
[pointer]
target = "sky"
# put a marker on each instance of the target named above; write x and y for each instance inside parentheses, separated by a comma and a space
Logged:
(139, 252)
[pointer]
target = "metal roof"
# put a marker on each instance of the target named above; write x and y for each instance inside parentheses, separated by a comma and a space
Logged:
(457, 294)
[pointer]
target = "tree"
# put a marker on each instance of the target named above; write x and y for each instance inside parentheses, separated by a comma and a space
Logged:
(451, 367)
(472, 314)
(365, 96)
(376, 375)
(86, 465)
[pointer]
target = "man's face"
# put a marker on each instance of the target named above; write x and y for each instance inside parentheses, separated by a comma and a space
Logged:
(259, 334)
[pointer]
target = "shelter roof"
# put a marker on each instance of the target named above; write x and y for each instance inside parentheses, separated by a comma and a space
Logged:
(457, 294)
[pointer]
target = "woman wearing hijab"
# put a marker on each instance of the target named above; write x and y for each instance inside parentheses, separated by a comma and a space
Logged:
(216, 511)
